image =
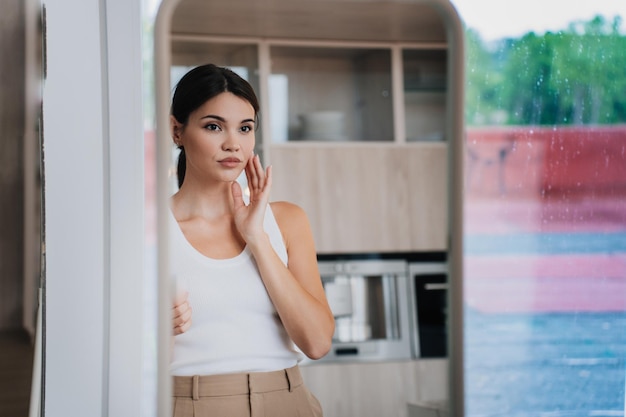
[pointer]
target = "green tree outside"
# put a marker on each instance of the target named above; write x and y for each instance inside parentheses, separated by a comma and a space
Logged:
(574, 77)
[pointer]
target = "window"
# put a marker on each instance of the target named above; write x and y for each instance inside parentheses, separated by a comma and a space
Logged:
(545, 209)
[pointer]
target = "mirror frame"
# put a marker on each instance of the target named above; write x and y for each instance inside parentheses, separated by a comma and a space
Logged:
(455, 132)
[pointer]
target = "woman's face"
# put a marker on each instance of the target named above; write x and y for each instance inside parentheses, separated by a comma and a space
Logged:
(218, 138)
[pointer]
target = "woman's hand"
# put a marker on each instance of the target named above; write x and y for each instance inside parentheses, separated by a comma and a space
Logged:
(181, 314)
(249, 219)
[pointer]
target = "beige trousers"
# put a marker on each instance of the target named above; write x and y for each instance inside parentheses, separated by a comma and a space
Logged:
(259, 394)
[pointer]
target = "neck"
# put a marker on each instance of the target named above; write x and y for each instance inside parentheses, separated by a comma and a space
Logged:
(193, 200)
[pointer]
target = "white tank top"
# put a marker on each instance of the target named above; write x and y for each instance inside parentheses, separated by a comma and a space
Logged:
(235, 327)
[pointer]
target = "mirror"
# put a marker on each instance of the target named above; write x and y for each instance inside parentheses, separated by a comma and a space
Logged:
(362, 120)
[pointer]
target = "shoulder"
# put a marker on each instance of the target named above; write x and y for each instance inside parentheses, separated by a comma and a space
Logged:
(294, 226)
(288, 214)
(292, 221)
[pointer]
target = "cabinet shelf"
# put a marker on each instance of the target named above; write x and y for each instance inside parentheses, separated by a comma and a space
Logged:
(334, 91)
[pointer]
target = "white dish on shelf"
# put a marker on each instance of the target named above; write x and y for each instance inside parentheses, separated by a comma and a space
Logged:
(323, 125)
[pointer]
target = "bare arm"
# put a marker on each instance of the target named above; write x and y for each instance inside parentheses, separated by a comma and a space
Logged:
(295, 290)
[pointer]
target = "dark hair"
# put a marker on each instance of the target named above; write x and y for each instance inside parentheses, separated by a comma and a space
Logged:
(200, 85)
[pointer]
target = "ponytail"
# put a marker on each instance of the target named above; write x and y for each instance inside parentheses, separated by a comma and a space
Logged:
(181, 167)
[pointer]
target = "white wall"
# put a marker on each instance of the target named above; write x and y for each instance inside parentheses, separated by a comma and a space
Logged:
(93, 150)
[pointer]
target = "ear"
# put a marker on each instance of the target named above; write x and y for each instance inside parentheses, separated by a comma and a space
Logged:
(176, 129)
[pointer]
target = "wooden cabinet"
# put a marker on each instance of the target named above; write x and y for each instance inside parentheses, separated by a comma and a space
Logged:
(367, 197)
(376, 389)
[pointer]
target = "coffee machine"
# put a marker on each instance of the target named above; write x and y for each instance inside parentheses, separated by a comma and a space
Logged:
(371, 309)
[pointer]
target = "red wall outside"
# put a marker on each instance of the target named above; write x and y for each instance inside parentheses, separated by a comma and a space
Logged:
(545, 162)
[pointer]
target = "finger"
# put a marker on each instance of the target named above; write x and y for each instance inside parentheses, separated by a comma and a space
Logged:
(180, 314)
(177, 327)
(180, 297)
(253, 179)
(268, 176)
(182, 318)
(181, 306)
(265, 178)
(182, 322)
(237, 195)
(180, 309)
(186, 316)
(260, 173)
(176, 323)
(182, 329)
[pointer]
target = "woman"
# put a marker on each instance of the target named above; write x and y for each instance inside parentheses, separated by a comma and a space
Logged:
(250, 287)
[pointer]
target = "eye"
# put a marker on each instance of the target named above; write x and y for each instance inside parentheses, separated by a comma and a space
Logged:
(212, 127)
(246, 128)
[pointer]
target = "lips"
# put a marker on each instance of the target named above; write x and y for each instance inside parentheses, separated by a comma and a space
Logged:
(230, 162)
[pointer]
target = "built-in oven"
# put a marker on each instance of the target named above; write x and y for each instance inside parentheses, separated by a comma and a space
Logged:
(428, 295)
(371, 309)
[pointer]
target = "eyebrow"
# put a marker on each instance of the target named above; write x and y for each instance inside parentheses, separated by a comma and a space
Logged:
(221, 119)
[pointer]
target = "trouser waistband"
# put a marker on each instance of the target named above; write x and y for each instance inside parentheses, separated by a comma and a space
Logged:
(236, 384)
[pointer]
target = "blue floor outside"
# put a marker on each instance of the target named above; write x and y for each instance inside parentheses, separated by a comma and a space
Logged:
(547, 364)
(569, 364)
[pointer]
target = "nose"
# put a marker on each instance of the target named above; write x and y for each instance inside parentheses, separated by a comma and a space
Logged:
(231, 143)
